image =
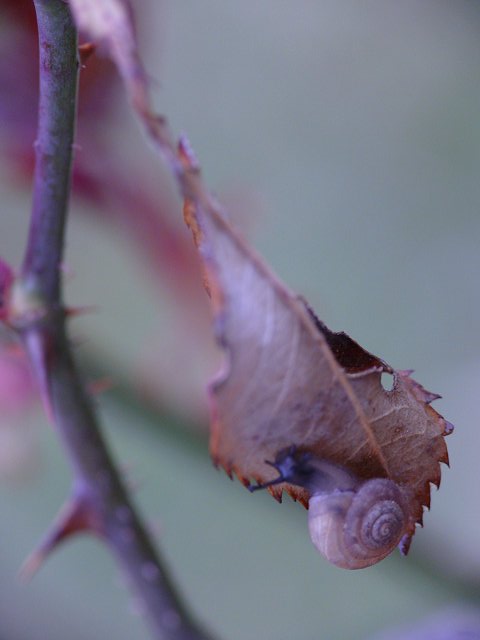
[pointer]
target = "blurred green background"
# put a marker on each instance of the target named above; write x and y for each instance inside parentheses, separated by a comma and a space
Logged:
(345, 137)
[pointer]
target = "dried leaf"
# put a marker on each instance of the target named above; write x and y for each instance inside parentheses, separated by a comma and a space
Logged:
(289, 380)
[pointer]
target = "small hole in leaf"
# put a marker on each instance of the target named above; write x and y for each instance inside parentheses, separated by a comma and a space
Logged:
(387, 381)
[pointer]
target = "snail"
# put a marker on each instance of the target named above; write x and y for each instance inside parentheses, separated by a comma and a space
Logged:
(353, 523)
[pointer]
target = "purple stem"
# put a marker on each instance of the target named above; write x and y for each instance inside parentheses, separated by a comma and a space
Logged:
(40, 319)
(53, 147)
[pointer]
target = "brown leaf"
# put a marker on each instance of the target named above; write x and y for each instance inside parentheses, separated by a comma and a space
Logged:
(289, 380)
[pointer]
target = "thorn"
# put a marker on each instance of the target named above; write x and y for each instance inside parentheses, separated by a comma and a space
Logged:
(75, 516)
(85, 51)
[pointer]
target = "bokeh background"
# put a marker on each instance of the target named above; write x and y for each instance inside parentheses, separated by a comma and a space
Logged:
(344, 138)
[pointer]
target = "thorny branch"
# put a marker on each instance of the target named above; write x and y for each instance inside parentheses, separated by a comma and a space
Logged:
(99, 502)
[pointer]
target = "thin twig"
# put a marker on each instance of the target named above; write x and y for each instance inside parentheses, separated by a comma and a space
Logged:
(100, 501)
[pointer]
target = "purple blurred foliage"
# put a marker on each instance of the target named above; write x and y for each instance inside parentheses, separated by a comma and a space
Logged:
(114, 188)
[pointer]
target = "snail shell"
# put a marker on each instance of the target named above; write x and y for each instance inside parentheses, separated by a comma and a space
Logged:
(358, 527)
(354, 523)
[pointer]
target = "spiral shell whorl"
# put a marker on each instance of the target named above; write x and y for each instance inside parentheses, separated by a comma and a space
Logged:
(355, 529)
(376, 519)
